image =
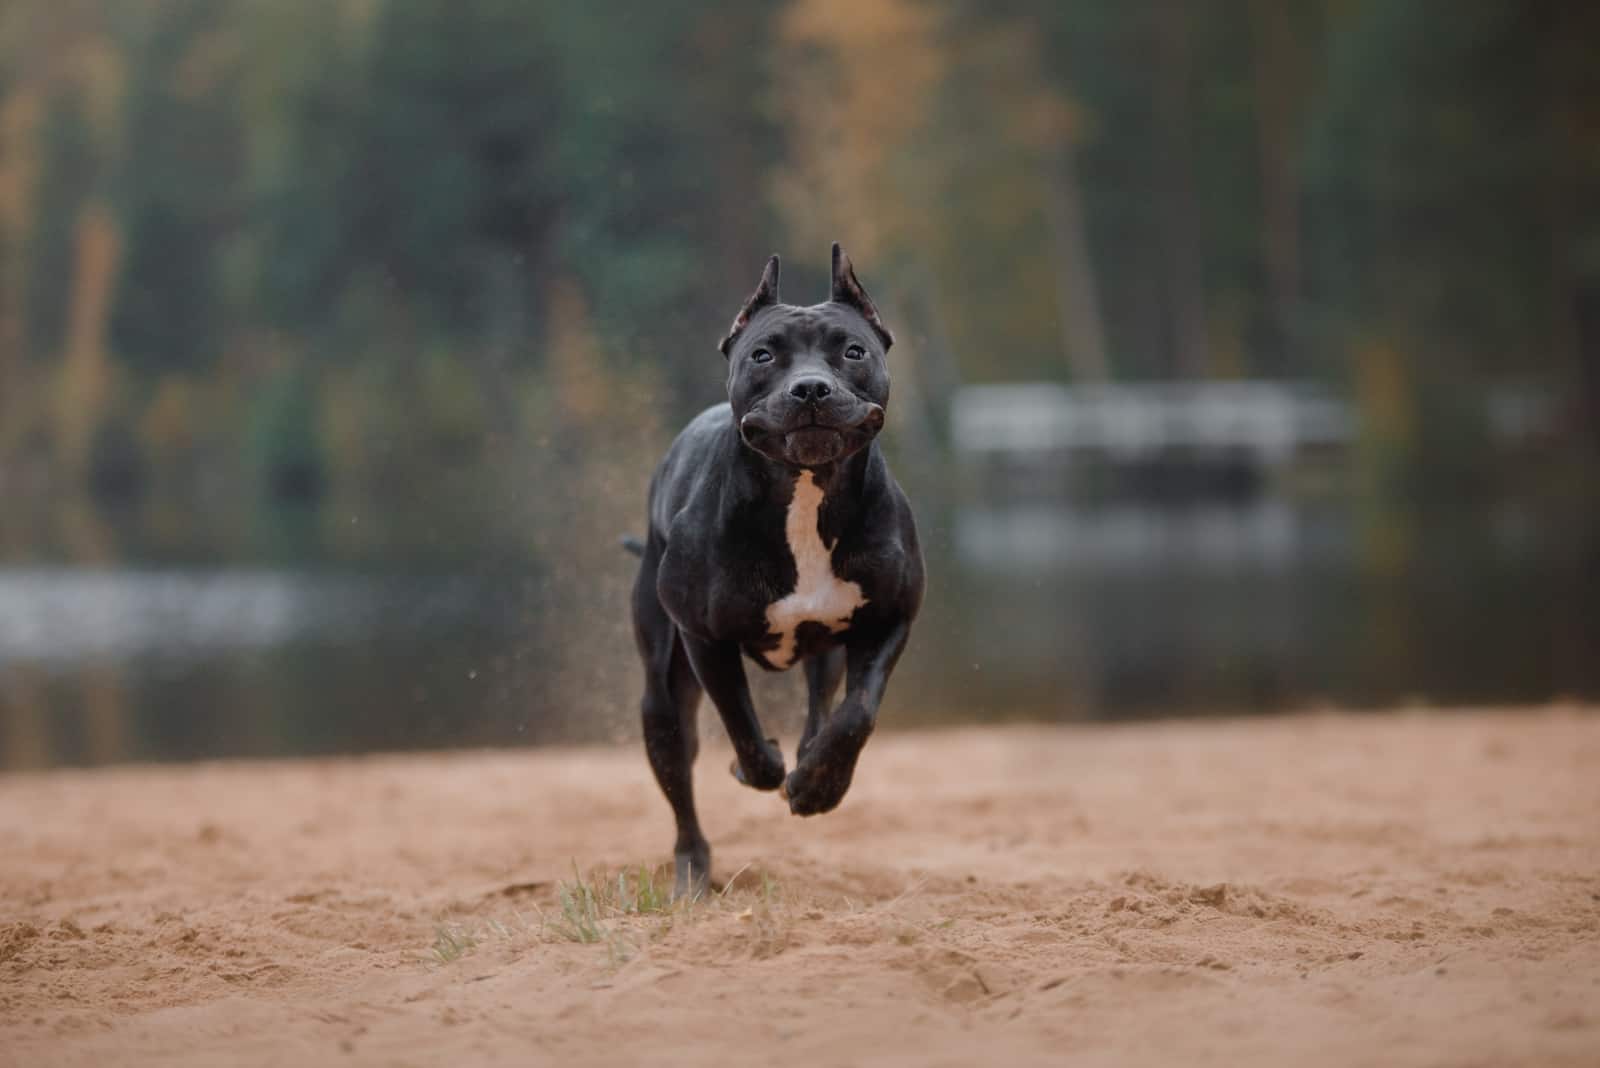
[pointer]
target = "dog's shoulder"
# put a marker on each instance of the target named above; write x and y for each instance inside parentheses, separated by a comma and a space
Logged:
(694, 453)
(700, 440)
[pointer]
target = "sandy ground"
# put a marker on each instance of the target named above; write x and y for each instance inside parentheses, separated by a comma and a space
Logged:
(1413, 889)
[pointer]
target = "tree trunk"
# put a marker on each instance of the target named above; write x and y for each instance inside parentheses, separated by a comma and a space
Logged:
(1077, 297)
(1277, 62)
(86, 371)
(1186, 297)
(1569, 85)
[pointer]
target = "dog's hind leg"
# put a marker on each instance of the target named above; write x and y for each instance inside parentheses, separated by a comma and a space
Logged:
(671, 740)
(824, 672)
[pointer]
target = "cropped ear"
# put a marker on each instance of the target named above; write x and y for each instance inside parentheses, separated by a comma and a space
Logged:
(847, 290)
(766, 294)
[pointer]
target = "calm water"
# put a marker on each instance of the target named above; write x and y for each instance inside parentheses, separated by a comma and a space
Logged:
(1040, 610)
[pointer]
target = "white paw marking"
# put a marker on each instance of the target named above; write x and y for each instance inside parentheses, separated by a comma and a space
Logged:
(819, 595)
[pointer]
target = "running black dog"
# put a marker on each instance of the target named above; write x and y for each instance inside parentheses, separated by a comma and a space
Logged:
(777, 532)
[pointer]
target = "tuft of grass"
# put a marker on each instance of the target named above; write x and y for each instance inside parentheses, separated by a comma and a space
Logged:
(586, 903)
(580, 912)
(590, 907)
(597, 908)
(643, 895)
(451, 942)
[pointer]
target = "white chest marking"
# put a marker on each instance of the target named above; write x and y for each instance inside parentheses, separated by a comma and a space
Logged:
(819, 595)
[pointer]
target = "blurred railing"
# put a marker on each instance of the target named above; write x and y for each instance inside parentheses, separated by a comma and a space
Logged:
(1177, 438)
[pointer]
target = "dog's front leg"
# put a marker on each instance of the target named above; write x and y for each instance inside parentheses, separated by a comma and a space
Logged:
(721, 673)
(818, 783)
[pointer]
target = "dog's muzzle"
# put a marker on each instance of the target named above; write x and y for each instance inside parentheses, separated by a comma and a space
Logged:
(810, 438)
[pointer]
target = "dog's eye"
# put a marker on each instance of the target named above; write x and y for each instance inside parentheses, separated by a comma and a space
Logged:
(855, 352)
(761, 356)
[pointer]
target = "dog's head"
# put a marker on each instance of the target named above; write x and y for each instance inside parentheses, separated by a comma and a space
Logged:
(808, 385)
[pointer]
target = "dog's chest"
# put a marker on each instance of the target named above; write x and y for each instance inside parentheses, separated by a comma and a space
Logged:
(819, 595)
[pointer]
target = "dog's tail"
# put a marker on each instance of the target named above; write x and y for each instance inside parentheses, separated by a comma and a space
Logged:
(633, 544)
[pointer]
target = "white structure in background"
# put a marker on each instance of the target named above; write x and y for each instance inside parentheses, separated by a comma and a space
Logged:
(59, 617)
(1028, 443)
(1263, 424)
(1120, 538)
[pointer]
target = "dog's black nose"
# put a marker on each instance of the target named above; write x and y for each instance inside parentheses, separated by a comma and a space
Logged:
(809, 389)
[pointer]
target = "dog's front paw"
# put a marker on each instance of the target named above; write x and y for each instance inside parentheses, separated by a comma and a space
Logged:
(822, 775)
(767, 770)
(812, 789)
(816, 787)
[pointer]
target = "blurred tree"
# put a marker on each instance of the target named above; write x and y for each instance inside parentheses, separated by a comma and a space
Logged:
(1179, 208)
(84, 400)
(389, 198)
(301, 97)
(283, 442)
(1419, 153)
(178, 185)
(66, 179)
(854, 80)
(1007, 220)
(15, 136)
(59, 72)
(1568, 44)
(1425, 174)
(1280, 47)
(448, 193)
(1097, 53)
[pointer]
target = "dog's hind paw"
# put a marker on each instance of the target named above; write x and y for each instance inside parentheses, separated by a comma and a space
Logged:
(691, 874)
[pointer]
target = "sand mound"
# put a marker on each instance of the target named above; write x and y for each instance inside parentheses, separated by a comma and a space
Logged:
(1326, 890)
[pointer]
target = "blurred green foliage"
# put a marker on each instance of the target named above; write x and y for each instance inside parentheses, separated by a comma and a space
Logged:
(322, 244)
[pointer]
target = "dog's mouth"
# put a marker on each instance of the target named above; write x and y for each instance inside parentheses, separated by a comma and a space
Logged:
(812, 443)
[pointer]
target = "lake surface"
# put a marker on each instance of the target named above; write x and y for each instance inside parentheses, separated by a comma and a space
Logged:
(1036, 610)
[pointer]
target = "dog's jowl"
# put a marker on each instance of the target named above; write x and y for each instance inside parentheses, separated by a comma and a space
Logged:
(777, 533)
